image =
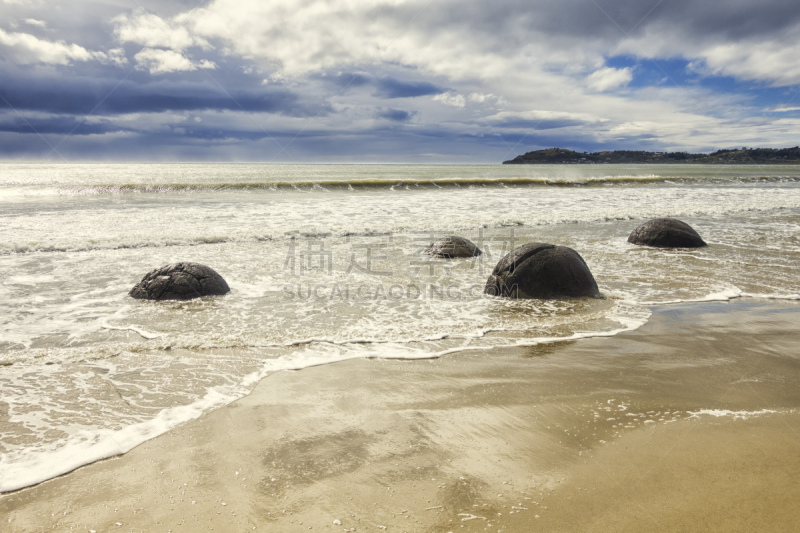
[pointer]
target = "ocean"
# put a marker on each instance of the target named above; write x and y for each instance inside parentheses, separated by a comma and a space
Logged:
(324, 264)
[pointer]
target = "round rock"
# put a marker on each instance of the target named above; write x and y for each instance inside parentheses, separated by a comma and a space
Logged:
(666, 233)
(453, 246)
(540, 270)
(180, 281)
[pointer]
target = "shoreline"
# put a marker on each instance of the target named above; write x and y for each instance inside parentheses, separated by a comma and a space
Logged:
(474, 438)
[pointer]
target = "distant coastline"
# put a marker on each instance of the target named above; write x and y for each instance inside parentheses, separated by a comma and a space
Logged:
(742, 156)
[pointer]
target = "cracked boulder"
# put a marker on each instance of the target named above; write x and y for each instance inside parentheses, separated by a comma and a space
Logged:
(545, 271)
(180, 281)
(453, 246)
(666, 233)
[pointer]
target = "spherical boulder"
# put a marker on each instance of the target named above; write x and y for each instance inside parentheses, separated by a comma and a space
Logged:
(180, 281)
(544, 271)
(666, 233)
(453, 246)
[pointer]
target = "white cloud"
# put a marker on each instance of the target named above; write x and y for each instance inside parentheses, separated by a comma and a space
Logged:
(28, 49)
(545, 115)
(298, 38)
(608, 78)
(481, 98)
(116, 56)
(484, 42)
(775, 60)
(152, 31)
(34, 22)
(163, 61)
(782, 109)
(450, 98)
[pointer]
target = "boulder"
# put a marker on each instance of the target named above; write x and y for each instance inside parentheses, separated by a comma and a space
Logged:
(540, 270)
(666, 233)
(453, 246)
(180, 281)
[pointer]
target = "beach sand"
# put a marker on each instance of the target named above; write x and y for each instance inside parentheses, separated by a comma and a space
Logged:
(591, 435)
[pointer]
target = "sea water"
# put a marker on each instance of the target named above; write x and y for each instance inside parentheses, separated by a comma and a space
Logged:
(325, 263)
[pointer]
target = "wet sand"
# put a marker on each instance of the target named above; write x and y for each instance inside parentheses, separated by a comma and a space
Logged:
(604, 434)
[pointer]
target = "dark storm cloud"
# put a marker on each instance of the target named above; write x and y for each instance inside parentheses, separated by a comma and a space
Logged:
(736, 19)
(215, 134)
(391, 88)
(502, 20)
(286, 146)
(388, 87)
(396, 115)
(537, 124)
(431, 144)
(56, 124)
(81, 96)
(352, 80)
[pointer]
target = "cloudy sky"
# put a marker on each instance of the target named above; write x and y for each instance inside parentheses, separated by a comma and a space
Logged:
(419, 81)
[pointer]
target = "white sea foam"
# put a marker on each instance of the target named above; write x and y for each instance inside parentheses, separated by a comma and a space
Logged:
(140, 331)
(736, 415)
(721, 296)
(773, 296)
(31, 466)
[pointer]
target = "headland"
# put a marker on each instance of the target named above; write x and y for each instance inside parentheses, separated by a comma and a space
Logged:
(741, 156)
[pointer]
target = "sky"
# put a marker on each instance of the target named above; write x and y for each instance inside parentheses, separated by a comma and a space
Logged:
(396, 81)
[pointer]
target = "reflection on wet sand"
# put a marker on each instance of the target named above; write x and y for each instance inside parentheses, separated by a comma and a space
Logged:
(690, 423)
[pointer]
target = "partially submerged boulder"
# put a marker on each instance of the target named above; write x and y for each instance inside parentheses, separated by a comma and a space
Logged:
(180, 281)
(540, 270)
(453, 246)
(666, 233)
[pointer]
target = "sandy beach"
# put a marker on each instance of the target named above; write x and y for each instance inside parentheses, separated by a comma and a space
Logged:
(690, 423)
